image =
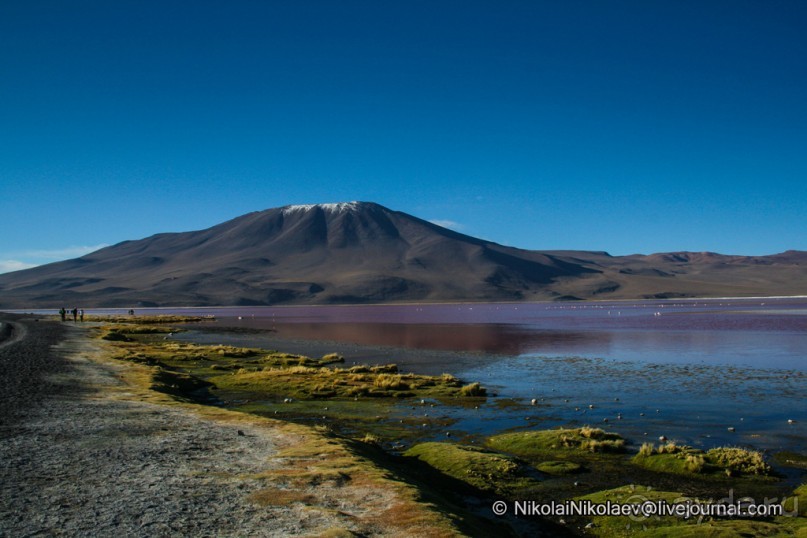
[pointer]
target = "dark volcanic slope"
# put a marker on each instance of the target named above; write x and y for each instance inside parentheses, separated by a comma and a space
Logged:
(347, 253)
(363, 252)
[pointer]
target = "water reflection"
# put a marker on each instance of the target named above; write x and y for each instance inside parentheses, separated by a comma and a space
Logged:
(769, 332)
(688, 371)
(487, 338)
(758, 348)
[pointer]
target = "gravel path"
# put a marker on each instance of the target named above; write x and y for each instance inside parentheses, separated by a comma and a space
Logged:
(83, 454)
(25, 360)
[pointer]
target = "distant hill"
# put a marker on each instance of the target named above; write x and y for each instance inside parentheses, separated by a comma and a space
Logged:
(362, 252)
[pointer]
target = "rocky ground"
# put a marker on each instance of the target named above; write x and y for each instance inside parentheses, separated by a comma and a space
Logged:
(85, 451)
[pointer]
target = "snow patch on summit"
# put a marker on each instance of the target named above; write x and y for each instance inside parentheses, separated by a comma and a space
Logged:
(329, 208)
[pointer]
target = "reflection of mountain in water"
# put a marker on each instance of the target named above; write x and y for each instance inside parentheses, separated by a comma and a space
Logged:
(714, 346)
(488, 338)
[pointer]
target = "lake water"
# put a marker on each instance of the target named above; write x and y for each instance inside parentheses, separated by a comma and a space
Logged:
(685, 369)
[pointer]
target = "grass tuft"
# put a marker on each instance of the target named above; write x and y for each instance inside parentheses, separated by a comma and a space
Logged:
(390, 382)
(682, 459)
(474, 389)
(739, 461)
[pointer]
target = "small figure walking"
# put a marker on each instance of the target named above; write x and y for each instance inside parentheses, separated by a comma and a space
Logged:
(81, 314)
(75, 314)
(63, 313)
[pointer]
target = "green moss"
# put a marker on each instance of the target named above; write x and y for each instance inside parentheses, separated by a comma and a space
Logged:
(631, 525)
(797, 501)
(370, 416)
(480, 468)
(559, 467)
(543, 442)
(657, 527)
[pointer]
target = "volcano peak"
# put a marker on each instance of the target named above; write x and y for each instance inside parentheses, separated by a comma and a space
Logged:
(339, 207)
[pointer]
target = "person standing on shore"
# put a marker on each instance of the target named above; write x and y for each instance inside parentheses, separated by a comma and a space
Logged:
(62, 312)
(75, 314)
(81, 314)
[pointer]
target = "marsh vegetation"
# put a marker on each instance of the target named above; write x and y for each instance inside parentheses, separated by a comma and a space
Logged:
(395, 419)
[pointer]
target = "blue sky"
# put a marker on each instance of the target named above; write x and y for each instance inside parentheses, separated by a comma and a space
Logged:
(626, 126)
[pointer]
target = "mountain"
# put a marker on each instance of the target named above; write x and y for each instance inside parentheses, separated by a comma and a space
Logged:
(361, 252)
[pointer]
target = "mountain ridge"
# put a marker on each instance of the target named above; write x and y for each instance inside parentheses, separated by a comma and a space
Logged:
(362, 252)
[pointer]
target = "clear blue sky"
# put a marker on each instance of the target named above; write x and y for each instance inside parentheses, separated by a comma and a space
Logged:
(626, 126)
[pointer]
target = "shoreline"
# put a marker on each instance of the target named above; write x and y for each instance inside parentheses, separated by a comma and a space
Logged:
(105, 454)
(105, 310)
